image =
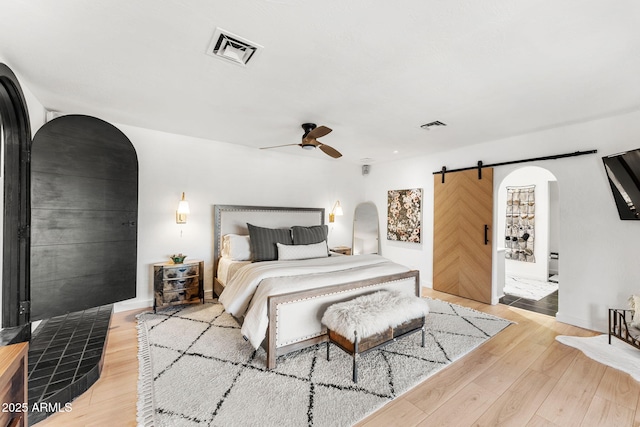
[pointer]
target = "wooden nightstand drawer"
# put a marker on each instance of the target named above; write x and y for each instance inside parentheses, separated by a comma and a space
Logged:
(178, 284)
(180, 271)
(182, 296)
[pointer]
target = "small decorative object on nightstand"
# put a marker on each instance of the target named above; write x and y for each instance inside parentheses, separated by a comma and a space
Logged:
(178, 283)
(178, 259)
(344, 250)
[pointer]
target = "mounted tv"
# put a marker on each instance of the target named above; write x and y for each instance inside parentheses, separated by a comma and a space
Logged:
(623, 171)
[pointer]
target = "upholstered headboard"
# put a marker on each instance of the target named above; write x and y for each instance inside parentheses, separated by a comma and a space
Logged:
(232, 219)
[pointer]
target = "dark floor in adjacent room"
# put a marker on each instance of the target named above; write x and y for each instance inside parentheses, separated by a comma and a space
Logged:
(547, 305)
(65, 357)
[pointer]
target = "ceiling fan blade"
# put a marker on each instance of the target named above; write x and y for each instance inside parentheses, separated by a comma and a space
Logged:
(330, 151)
(276, 146)
(318, 132)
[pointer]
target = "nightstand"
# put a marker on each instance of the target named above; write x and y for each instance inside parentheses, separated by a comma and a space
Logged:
(178, 283)
(344, 250)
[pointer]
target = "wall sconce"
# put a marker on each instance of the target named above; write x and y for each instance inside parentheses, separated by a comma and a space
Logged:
(183, 211)
(337, 210)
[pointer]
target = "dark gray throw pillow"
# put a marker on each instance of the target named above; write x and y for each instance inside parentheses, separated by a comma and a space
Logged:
(263, 241)
(309, 235)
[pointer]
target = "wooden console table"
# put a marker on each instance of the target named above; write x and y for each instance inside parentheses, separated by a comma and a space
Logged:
(13, 384)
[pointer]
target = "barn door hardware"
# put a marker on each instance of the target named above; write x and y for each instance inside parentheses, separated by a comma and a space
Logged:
(481, 165)
(486, 234)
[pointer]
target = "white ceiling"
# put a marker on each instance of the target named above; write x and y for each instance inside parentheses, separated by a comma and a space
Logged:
(373, 70)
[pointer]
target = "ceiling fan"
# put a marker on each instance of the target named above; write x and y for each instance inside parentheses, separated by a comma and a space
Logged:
(309, 140)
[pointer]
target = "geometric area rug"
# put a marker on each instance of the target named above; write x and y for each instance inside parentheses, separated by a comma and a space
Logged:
(197, 370)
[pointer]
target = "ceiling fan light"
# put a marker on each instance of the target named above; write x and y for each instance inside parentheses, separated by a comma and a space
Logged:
(308, 146)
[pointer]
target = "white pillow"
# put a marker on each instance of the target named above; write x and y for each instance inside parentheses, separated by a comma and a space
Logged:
(634, 302)
(236, 247)
(291, 252)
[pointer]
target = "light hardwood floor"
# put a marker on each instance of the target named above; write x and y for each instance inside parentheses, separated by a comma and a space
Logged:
(520, 377)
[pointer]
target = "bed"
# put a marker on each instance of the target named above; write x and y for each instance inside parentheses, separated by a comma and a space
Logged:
(279, 303)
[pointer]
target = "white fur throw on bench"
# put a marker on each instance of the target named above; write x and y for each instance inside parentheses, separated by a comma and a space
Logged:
(373, 313)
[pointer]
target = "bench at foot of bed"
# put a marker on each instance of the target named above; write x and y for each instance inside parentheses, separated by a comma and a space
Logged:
(371, 321)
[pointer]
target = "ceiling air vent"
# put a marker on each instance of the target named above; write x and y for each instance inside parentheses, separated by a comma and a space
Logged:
(432, 125)
(232, 48)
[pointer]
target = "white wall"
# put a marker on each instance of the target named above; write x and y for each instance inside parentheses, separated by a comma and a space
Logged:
(554, 226)
(213, 173)
(528, 175)
(210, 173)
(398, 175)
(599, 252)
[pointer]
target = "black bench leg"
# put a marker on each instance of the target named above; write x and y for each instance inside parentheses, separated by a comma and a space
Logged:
(355, 358)
(328, 350)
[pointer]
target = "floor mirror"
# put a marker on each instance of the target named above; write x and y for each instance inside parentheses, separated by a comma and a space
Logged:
(366, 233)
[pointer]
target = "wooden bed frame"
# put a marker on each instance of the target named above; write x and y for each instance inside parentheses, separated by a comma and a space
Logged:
(285, 335)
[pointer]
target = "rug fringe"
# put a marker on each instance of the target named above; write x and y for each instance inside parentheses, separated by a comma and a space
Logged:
(146, 407)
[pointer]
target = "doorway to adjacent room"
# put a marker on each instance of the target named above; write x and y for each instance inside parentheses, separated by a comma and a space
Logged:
(527, 234)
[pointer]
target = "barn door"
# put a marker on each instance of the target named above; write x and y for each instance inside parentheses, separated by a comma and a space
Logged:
(462, 219)
(84, 208)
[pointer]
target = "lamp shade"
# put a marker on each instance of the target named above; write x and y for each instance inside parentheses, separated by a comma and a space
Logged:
(183, 207)
(182, 211)
(337, 209)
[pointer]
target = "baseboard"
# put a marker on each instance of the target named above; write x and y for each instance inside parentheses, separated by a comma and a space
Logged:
(426, 284)
(133, 304)
(581, 323)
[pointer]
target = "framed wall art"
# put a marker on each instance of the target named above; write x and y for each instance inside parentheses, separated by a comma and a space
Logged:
(404, 215)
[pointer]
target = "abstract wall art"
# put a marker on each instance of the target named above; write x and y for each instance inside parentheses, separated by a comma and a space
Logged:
(404, 215)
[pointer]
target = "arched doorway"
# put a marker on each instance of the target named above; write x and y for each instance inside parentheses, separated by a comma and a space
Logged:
(16, 145)
(527, 212)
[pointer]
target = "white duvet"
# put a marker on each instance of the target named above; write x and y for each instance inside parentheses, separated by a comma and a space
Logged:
(246, 293)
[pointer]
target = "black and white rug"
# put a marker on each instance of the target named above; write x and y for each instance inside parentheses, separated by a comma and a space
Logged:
(528, 288)
(196, 370)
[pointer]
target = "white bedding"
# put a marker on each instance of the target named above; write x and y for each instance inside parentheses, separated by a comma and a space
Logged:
(227, 268)
(247, 292)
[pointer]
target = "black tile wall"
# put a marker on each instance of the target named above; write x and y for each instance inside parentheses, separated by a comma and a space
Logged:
(65, 359)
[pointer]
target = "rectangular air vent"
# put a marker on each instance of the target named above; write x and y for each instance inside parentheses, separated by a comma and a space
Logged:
(232, 48)
(432, 125)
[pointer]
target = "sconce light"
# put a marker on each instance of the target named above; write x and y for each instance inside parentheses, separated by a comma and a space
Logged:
(337, 210)
(183, 211)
